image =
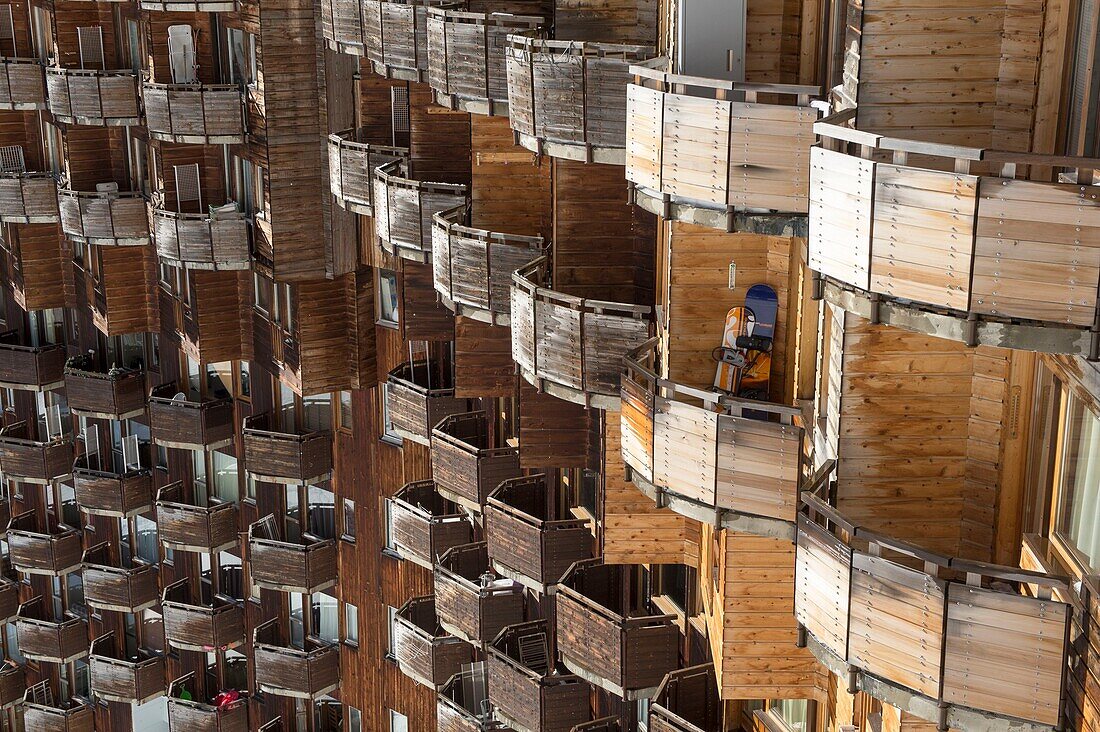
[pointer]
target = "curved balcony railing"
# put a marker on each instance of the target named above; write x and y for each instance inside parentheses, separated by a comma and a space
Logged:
(112, 394)
(113, 490)
(22, 84)
(57, 716)
(304, 566)
(687, 701)
(192, 625)
(424, 651)
(96, 98)
(734, 463)
(189, 423)
(466, 463)
(52, 552)
(471, 602)
(395, 36)
(466, 64)
(956, 628)
(567, 99)
(110, 586)
(283, 670)
(121, 677)
(342, 26)
(186, 526)
(701, 150)
(956, 244)
(418, 395)
(461, 708)
(198, 114)
(30, 368)
(531, 539)
(218, 240)
(473, 267)
(572, 347)
(28, 198)
(104, 218)
(638, 645)
(9, 599)
(34, 461)
(286, 456)
(41, 638)
(351, 166)
(403, 210)
(13, 684)
(189, 6)
(185, 713)
(425, 524)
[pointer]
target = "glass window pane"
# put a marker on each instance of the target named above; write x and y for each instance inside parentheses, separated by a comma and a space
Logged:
(1078, 516)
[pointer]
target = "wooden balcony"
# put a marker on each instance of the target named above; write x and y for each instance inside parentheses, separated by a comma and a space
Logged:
(473, 267)
(116, 394)
(194, 716)
(106, 490)
(278, 456)
(184, 525)
(67, 716)
(529, 693)
(190, 424)
(603, 724)
(34, 461)
(28, 198)
(975, 253)
(305, 566)
(9, 599)
(104, 218)
(189, 6)
(757, 154)
(585, 116)
(572, 347)
(613, 641)
(959, 632)
(13, 684)
(30, 368)
(425, 524)
(465, 463)
(471, 603)
(197, 114)
(466, 67)
(109, 586)
(456, 711)
(351, 163)
(128, 680)
(206, 624)
(41, 638)
(425, 652)
(52, 552)
(215, 241)
(96, 98)
(733, 463)
(303, 673)
(22, 84)
(687, 701)
(342, 26)
(395, 36)
(418, 395)
(403, 209)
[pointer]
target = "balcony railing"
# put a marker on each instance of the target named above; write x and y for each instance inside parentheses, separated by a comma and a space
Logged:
(425, 524)
(40, 638)
(424, 651)
(31, 368)
(304, 566)
(66, 716)
(530, 538)
(466, 66)
(687, 701)
(195, 716)
(28, 198)
(22, 84)
(109, 586)
(283, 456)
(34, 461)
(115, 394)
(191, 424)
(185, 525)
(470, 601)
(572, 347)
(104, 218)
(473, 267)
(637, 647)
(219, 240)
(459, 710)
(9, 599)
(956, 628)
(342, 26)
(960, 255)
(527, 689)
(465, 463)
(418, 395)
(403, 210)
(603, 724)
(106, 490)
(351, 165)
(757, 154)
(189, 6)
(215, 623)
(52, 552)
(585, 116)
(395, 36)
(745, 456)
(126, 679)
(90, 97)
(199, 114)
(13, 684)
(303, 673)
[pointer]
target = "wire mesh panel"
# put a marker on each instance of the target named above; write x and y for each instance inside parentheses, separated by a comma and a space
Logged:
(11, 159)
(90, 40)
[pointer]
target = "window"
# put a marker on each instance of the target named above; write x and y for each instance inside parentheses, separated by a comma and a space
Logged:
(343, 410)
(795, 714)
(389, 433)
(387, 527)
(391, 635)
(355, 720)
(1077, 510)
(263, 291)
(246, 185)
(325, 618)
(388, 313)
(348, 533)
(351, 624)
(398, 722)
(241, 50)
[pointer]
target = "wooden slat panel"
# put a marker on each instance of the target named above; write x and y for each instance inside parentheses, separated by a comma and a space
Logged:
(841, 194)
